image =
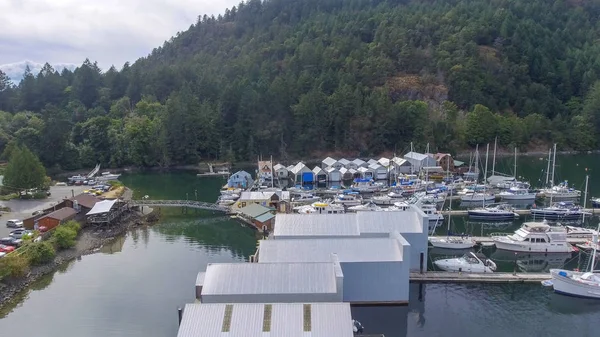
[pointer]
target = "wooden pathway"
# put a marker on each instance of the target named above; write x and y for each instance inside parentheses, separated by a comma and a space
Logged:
(181, 203)
(450, 277)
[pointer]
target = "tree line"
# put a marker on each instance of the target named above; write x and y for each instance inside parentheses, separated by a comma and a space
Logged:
(298, 78)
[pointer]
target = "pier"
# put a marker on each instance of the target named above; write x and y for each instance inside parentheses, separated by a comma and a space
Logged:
(518, 211)
(487, 240)
(181, 203)
(452, 277)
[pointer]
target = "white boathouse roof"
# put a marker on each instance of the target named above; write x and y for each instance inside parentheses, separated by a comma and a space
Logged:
(270, 282)
(278, 167)
(101, 207)
(329, 161)
(350, 249)
(266, 320)
(415, 155)
(316, 225)
(359, 162)
(344, 161)
(318, 170)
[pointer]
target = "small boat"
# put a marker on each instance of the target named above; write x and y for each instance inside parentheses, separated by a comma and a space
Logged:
(306, 198)
(452, 242)
(477, 197)
(225, 202)
(320, 208)
(368, 207)
(561, 191)
(534, 237)
(501, 212)
(365, 186)
(468, 263)
(515, 193)
(596, 202)
(348, 199)
(231, 190)
(564, 210)
(574, 232)
(107, 176)
(383, 200)
(396, 194)
(231, 196)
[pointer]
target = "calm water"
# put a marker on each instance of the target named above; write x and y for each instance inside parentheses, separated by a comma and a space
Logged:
(133, 287)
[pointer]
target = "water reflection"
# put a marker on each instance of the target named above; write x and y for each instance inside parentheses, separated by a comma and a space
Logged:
(533, 262)
(571, 305)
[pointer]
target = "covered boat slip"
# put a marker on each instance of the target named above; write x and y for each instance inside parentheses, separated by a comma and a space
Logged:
(266, 319)
(412, 225)
(106, 211)
(375, 270)
(270, 282)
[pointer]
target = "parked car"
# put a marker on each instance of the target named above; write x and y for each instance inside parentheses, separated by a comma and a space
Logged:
(10, 241)
(38, 212)
(6, 249)
(20, 233)
(14, 223)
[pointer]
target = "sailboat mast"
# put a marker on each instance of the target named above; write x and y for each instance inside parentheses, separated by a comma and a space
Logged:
(477, 162)
(427, 167)
(553, 164)
(595, 243)
(450, 212)
(515, 163)
(587, 178)
(486, 164)
(548, 168)
(412, 168)
(494, 160)
(271, 164)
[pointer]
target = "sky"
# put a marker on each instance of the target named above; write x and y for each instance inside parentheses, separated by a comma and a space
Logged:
(112, 32)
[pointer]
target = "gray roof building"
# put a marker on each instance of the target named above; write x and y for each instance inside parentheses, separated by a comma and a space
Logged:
(266, 320)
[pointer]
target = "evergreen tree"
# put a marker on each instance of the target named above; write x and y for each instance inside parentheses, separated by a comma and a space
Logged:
(24, 170)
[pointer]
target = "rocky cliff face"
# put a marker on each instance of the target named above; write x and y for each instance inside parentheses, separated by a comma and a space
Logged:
(414, 87)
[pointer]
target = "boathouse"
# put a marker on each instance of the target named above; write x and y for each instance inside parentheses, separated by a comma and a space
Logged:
(445, 161)
(240, 179)
(260, 216)
(271, 282)
(419, 160)
(379, 172)
(400, 166)
(330, 162)
(281, 171)
(383, 161)
(302, 174)
(106, 212)
(266, 319)
(320, 174)
(264, 198)
(333, 174)
(376, 270)
(344, 162)
(358, 163)
(412, 224)
(366, 172)
(82, 203)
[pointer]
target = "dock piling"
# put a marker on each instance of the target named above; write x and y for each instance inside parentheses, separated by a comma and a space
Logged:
(421, 262)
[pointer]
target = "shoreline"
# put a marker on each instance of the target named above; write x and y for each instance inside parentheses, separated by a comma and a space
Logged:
(89, 241)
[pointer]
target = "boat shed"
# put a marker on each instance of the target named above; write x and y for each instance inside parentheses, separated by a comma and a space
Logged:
(346, 174)
(302, 174)
(266, 198)
(106, 211)
(383, 161)
(376, 270)
(419, 160)
(400, 165)
(372, 161)
(379, 172)
(271, 282)
(281, 171)
(240, 179)
(330, 162)
(344, 162)
(266, 320)
(333, 174)
(359, 163)
(55, 218)
(412, 224)
(320, 174)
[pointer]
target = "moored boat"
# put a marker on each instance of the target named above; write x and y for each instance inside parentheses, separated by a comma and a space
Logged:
(563, 210)
(501, 212)
(534, 237)
(468, 263)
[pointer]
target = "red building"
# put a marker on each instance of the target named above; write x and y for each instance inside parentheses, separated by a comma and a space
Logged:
(56, 218)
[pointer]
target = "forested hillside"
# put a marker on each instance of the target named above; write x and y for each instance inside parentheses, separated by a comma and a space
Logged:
(297, 78)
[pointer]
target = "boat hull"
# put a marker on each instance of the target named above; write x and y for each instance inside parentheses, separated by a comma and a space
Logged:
(555, 215)
(491, 217)
(539, 248)
(477, 198)
(567, 286)
(454, 265)
(450, 244)
(511, 197)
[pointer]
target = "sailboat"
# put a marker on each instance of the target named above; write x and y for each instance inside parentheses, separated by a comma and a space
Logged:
(479, 196)
(577, 283)
(562, 190)
(451, 242)
(516, 190)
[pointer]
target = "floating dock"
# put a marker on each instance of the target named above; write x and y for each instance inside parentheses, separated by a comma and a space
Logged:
(518, 211)
(487, 240)
(451, 277)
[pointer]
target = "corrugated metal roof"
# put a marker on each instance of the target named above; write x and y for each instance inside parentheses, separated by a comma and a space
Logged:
(299, 168)
(331, 169)
(255, 195)
(329, 161)
(384, 161)
(248, 320)
(358, 161)
(269, 278)
(318, 170)
(415, 155)
(103, 206)
(264, 217)
(344, 161)
(254, 210)
(279, 167)
(316, 225)
(61, 214)
(387, 222)
(376, 167)
(347, 250)
(85, 200)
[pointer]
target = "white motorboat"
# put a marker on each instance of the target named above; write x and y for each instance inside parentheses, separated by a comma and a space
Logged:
(383, 200)
(365, 186)
(306, 198)
(564, 210)
(561, 191)
(502, 212)
(574, 232)
(348, 199)
(468, 263)
(368, 207)
(225, 202)
(576, 283)
(327, 208)
(452, 242)
(477, 197)
(435, 217)
(535, 237)
(395, 194)
(107, 176)
(231, 196)
(516, 193)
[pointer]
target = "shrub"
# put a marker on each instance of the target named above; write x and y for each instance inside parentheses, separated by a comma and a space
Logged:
(16, 265)
(40, 252)
(64, 237)
(72, 224)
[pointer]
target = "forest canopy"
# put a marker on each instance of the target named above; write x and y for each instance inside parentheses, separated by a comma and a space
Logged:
(298, 78)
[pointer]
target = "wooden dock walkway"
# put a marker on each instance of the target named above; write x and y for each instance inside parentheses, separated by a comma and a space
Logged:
(488, 239)
(451, 277)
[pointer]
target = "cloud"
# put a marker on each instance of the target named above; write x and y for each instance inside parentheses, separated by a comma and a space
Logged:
(16, 70)
(108, 31)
